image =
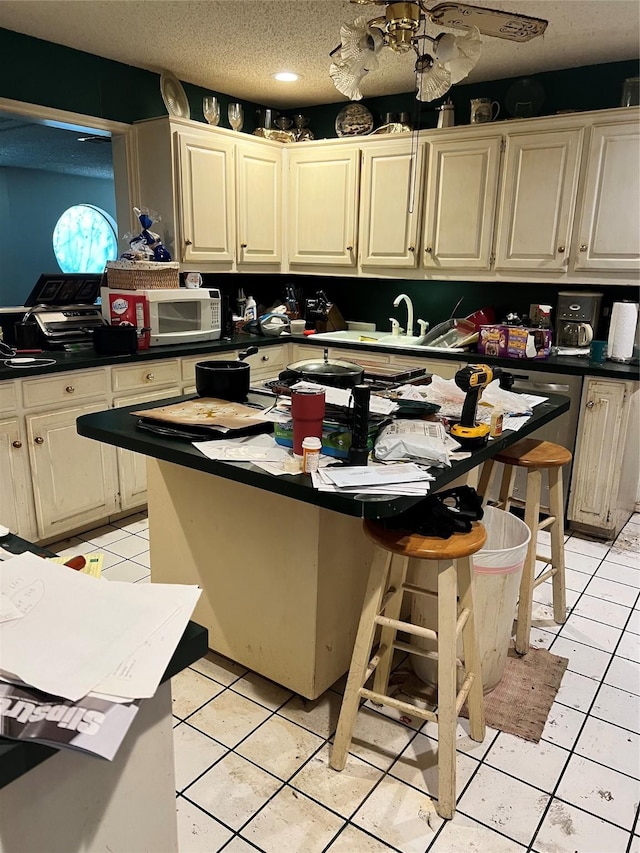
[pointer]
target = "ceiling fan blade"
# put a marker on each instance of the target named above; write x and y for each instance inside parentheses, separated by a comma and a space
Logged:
(490, 22)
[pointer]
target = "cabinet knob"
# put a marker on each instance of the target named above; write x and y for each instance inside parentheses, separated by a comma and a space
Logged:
(243, 245)
(188, 243)
(265, 358)
(590, 404)
(560, 249)
(428, 250)
(349, 248)
(16, 444)
(149, 377)
(412, 248)
(69, 389)
(583, 247)
(39, 439)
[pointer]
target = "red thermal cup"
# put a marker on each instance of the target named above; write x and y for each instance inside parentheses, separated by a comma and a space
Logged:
(307, 411)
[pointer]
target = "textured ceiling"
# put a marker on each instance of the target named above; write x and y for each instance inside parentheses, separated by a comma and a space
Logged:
(234, 46)
(35, 146)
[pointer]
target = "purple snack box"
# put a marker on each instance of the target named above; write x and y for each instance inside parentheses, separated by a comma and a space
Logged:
(514, 341)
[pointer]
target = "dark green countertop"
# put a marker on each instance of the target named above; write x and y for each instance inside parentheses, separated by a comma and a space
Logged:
(118, 427)
(18, 757)
(84, 359)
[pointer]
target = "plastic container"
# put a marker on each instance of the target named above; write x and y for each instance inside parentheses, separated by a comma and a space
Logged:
(496, 582)
(311, 448)
(250, 309)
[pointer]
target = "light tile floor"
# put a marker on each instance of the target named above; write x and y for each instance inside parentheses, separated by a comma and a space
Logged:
(252, 759)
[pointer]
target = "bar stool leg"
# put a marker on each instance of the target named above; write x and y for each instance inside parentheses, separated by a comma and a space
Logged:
(397, 576)
(525, 602)
(447, 689)
(556, 508)
(472, 663)
(506, 487)
(485, 480)
(361, 652)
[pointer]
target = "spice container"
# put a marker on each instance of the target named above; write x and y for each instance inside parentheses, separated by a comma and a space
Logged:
(310, 454)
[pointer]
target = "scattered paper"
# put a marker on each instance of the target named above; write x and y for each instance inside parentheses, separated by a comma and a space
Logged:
(8, 609)
(248, 449)
(376, 475)
(515, 423)
(534, 400)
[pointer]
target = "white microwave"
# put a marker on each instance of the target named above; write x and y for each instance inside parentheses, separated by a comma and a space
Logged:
(173, 316)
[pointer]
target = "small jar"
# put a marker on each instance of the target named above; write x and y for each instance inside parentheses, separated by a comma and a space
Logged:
(497, 420)
(310, 454)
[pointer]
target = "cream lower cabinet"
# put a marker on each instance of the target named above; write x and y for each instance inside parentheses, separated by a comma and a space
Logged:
(16, 494)
(323, 205)
(389, 204)
(74, 478)
(604, 480)
(608, 230)
(537, 200)
(460, 203)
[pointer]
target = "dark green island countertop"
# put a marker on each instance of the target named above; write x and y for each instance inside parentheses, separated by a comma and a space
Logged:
(85, 359)
(119, 428)
(18, 757)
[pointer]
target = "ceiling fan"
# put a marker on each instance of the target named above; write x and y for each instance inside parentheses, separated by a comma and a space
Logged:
(441, 60)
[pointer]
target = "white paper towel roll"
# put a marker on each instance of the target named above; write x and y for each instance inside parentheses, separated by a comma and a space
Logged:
(622, 330)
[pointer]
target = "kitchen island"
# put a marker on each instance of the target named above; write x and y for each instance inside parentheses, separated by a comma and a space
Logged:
(282, 566)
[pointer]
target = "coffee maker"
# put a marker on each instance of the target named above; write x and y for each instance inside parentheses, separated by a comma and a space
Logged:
(577, 318)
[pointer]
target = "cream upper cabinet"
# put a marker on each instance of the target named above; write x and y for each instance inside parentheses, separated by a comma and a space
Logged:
(259, 204)
(537, 199)
(460, 202)
(389, 204)
(206, 197)
(608, 232)
(323, 205)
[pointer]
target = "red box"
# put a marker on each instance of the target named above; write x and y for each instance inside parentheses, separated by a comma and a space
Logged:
(131, 309)
(514, 342)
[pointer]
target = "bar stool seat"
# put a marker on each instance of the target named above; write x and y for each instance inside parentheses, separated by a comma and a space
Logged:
(535, 456)
(382, 605)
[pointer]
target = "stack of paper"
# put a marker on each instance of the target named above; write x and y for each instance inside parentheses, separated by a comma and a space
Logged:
(401, 479)
(70, 641)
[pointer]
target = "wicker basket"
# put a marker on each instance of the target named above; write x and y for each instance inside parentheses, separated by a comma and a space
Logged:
(142, 275)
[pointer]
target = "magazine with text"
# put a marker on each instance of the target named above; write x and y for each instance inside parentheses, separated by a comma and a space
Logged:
(92, 725)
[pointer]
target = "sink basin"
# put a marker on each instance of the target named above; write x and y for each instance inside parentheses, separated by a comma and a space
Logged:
(381, 338)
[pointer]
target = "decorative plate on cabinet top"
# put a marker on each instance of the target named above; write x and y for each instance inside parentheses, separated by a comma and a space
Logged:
(354, 120)
(173, 95)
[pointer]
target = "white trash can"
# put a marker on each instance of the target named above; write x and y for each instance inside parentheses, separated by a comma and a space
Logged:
(496, 582)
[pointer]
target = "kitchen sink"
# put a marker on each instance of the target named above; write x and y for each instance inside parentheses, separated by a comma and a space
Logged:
(381, 338)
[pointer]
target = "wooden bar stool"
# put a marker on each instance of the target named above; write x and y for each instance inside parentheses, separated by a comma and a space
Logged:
(382, 605)
(536, 456)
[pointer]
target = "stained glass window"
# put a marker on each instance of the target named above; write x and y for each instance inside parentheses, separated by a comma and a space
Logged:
(84, 239)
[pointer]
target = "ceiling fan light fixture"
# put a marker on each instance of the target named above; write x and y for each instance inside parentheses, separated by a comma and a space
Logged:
(286, 76)
(401, 22)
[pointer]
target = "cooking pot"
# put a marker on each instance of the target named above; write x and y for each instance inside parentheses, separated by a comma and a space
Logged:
(225, 380)
(337, 374)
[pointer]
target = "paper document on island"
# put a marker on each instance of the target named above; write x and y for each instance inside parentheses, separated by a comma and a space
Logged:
(91, 725)
(75, 632)
(377, 475)
(246, 449)
(206, 412)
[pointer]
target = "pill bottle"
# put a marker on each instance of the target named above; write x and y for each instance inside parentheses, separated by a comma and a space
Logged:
(497, 419)
(310, 454)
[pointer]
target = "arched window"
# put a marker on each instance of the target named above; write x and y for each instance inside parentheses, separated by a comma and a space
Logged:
(84, 239)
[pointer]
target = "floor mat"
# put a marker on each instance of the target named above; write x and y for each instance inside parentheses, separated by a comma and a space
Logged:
(521, 702)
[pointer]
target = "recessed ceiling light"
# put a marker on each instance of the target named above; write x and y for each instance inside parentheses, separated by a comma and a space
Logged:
(286, 76)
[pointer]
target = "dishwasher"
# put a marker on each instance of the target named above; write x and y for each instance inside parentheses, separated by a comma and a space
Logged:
(562, 430)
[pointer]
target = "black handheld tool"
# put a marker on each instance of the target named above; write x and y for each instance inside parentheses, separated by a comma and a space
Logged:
(472, 379)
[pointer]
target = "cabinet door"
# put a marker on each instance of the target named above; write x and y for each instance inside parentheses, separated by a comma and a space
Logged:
(74, 477)
(537, 200)
(460, 203)
(16, 496)
(596, 471)
(389, 205)
(207, 208)
(132, 467)
(322, 211)
(608, 235)
(259, 200)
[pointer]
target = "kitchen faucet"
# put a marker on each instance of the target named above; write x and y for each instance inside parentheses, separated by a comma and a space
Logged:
(404, 298)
